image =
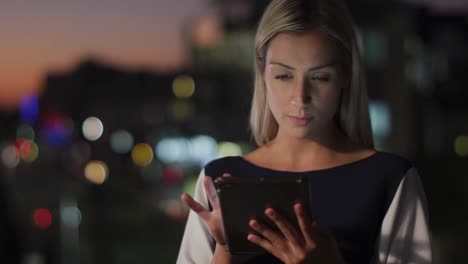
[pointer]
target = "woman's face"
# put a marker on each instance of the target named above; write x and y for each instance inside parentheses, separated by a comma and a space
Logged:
(303, 83)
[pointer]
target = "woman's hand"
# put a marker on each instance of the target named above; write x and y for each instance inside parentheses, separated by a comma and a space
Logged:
(311, 244)
(213, 218)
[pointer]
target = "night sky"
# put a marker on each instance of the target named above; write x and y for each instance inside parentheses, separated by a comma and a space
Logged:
(54, 35)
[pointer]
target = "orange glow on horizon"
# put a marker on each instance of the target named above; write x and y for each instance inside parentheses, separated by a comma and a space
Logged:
(43, 37)
(22, 79)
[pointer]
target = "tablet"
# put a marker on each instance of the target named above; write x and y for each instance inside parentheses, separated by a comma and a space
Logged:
(243, 198)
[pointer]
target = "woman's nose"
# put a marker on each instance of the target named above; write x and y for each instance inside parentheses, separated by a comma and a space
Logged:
(301, 94)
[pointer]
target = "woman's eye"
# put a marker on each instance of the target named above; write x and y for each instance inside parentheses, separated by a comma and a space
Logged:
(320, 78)
(283, 77)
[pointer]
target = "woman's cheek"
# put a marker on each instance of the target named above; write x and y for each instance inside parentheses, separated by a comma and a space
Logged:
(273, 105)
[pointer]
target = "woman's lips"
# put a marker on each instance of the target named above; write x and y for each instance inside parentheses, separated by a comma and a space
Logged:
(301, 121)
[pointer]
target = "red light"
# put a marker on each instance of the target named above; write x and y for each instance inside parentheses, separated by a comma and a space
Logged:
(25, 148)
(172, 175)
(42, 218)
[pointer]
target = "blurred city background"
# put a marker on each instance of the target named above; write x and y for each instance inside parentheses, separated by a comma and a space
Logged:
(109, 109)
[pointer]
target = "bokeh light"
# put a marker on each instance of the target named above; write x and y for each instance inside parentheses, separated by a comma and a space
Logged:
(226, 148)
(56, 128)
(29, 150)
(175, 210)
(203, 149)
(376, 47)
(96, 172)
(25, 131)
(183, 86)
(197, 151)
(172, 175)
(142, 154)
(70, 216)
(32, 258)
(42, 218)
(29, 108)
(10, 156)
(461, 146)
(207, 31)
(380, 118)
(23, 146)
(171, 150)
(121, 141)
(92, 128)
(189, 185)
(181, 109)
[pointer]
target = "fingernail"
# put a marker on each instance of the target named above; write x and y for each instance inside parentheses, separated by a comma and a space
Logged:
(270, 212)
(299, 210)
(254, 224)
(298, 206)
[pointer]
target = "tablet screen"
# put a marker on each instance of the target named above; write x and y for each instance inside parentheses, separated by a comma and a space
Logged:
(244, 198)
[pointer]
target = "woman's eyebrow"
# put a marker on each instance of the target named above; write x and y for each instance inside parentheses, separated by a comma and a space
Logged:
(310, 69)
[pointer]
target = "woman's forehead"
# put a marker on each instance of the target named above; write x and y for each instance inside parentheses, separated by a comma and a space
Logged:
(308, 49)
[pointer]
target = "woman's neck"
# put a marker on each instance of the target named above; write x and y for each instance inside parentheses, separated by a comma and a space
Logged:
(316, 152)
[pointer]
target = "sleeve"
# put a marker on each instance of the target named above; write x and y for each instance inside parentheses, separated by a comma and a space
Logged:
(405, 236)
(197, 243)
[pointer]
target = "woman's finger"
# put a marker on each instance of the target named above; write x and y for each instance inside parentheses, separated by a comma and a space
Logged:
(274, 237)
(285, 226)
(304, 223)
(195, 206)
(264, 243)
(211, 192)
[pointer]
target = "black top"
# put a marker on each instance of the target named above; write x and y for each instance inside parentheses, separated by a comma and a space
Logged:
(351, 199)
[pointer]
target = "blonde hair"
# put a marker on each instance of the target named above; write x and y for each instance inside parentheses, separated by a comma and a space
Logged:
(333, 19)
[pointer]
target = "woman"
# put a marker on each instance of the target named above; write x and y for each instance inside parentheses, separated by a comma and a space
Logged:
(310, 117)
